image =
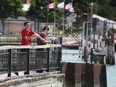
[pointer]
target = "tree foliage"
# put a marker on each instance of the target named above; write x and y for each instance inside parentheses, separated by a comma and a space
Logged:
(105, 8)
(9, 8)
(112, 30)
(39, 10)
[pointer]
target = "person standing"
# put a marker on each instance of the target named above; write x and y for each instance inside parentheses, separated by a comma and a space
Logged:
(43, 34)
(27, 33)
(41, 52)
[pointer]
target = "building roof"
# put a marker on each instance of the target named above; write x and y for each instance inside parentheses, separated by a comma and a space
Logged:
(111, 23)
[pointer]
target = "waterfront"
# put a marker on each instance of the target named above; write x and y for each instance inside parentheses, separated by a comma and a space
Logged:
(70, 55)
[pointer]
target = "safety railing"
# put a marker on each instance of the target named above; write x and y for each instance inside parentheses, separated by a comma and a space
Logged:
(25, 58)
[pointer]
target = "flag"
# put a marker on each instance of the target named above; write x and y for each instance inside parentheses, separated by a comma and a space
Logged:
(71, 9)
(52, 5)
(68, 6)
(60, 5)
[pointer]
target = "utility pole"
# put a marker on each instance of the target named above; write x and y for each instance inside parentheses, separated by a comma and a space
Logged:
(54, 18)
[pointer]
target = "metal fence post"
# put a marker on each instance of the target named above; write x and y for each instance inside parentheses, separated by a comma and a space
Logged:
(9, 63)
(48, 62)
(28, 62)
(61, 40)
(59, 58)
(60, 54)
(85, 59)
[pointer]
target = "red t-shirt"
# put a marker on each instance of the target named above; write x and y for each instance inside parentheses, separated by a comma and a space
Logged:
(25, 33)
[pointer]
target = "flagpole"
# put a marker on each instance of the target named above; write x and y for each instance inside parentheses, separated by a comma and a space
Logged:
(72, 3)
(47, 14)
(54, 19)
(63, 16)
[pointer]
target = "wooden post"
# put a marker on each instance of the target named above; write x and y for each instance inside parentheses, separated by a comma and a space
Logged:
(85, 75)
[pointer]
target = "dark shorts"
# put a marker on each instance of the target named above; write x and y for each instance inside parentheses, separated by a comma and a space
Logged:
(41, 53)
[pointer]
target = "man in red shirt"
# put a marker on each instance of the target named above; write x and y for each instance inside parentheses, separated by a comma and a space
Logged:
(26, 34)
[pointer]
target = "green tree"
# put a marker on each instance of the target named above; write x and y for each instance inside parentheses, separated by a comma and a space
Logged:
(106, 8)
(10, 8)
(39, 10)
